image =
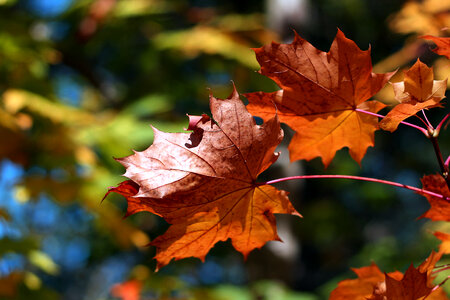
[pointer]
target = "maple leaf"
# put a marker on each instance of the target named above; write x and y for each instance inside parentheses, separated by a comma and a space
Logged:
(416, 283)
(370, 280)
(440, 208)
(444, 247)
(373, 284)
(418, 91)
(320, 95)
(442, 43)
(204, 183)
(128, 188)
(412, 286)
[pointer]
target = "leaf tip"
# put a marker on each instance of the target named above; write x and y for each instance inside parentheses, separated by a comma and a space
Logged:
(245, 254)
(107, 193)
(278, 239)
(195, 120)
(234, 93)
(297, 214)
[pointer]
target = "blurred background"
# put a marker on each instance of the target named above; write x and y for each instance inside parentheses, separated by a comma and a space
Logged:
(80, 82)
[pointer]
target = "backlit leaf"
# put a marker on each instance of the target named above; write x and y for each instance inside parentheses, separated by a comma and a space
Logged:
(440, 208)
(418, 91)
(320, 95)
(204, 183)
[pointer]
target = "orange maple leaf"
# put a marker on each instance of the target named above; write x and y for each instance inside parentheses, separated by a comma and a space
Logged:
(321, 93)
(444, 247)
(204, 183)
(442, 43)
(418, 91)
(440, 208)
(373, 284)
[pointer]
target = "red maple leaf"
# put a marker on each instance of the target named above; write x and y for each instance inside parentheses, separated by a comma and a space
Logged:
(204, 183)
(412, 286)
(320, 97)
(442, 43)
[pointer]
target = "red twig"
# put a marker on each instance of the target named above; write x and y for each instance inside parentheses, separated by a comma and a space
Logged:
(441, 268)
(412, 188)
(423, 130)
(436, 287)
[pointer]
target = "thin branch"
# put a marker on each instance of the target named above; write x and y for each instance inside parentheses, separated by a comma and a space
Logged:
(412, 188)
(442, 165)
(436, 287)
(423, 130)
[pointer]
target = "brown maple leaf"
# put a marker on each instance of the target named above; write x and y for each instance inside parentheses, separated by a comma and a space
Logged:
(204, 183)
(320, 95)
(370, 281)
(375, 285)
(416, 283)
(442, 43)
(412, 286)
(418, 91)
(440, 208)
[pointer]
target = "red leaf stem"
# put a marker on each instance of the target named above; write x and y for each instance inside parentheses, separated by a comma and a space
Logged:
(440, 269)
(426, 119)
(423, 130)
(438, 128)
(442, 165)
(437, 286)
(412, 188)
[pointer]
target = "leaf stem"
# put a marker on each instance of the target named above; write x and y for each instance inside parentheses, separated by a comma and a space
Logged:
(426, 119)
(423, 121)
(412, 188)
(440, 269)
(438, 128)
(423, 130)
(437, 286)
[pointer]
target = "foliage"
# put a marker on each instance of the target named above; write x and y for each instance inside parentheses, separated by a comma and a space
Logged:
(81, 80)
(204, 182)
(206, 188)
(320, 97)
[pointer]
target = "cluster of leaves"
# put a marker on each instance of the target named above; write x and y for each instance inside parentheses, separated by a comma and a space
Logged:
(68, 103)
(204, 181)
